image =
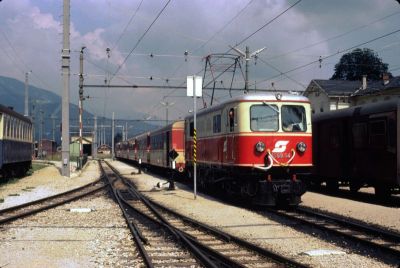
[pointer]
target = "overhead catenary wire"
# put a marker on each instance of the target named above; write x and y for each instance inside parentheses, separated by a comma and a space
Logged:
(127, 25)
(256, 31)
(266, 24)
(209, 39)
(331, 55)
(21, 61)
(279, 71)
(334, 37)
(140, 39)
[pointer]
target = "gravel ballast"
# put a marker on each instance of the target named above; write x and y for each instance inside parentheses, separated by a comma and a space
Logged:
(60, 238)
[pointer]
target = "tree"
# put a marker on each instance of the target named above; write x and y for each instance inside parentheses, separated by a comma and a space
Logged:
(353, 65)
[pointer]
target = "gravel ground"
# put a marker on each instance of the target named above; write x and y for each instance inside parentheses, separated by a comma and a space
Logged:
(60, 238)
(45, 182)
(266, 230)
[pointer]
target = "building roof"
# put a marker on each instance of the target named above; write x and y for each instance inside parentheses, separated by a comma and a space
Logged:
(337, 87)
(376, 86)
(343, 87)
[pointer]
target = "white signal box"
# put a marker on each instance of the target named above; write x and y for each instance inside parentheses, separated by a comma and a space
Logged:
(198, 85)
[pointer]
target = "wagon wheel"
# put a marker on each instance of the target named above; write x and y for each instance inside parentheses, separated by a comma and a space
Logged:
(332, 186)
(382, 192)
(355, 186)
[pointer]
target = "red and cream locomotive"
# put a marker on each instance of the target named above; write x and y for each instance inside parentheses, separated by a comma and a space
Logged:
(256, 146)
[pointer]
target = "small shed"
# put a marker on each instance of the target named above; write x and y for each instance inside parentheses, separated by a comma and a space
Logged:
(74, 146)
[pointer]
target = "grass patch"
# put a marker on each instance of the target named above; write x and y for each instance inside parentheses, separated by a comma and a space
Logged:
(1, 200)
(35, 167)
(13, 195)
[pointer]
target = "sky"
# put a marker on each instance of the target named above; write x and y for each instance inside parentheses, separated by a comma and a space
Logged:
(148, 40)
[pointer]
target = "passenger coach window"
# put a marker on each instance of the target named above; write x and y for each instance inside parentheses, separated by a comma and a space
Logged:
(360, 135)
(377, 133)
(264, 118)
(293, 118)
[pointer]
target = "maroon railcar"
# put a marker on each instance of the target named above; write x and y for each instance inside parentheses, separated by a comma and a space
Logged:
(358, 147)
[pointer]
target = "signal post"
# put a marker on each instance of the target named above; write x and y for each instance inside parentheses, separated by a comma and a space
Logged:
(194, 89)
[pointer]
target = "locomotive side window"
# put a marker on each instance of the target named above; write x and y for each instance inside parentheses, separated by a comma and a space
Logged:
(264, 118)
(217, 123)
(294, 118)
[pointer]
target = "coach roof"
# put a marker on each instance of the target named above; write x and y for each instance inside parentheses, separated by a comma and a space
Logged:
(6, 110)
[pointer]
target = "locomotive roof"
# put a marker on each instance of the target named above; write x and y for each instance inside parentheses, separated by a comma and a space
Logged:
(256, 97)
(370, 108)
(6, 110)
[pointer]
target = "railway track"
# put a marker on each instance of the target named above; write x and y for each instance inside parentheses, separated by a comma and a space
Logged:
(200, 244)
(378, 239)
(13, 213)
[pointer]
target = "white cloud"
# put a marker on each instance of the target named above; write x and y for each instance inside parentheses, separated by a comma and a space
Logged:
(34, 28)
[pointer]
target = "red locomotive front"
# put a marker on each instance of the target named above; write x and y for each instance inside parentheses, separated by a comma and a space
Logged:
(258, 146)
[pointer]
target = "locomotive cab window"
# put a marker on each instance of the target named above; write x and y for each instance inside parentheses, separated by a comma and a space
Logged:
(294, 118)
(231, 119)
(264, 117)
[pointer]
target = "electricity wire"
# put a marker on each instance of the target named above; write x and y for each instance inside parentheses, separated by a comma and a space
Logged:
(127, 25)
(140, 39)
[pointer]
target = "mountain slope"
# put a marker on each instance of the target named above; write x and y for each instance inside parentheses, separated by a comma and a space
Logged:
(12, 93)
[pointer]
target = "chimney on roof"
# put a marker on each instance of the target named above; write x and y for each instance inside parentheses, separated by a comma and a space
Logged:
(364, 82)
(385, 78)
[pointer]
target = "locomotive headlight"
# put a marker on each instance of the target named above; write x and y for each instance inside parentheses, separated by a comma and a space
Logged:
(260, 147)
(301, 147)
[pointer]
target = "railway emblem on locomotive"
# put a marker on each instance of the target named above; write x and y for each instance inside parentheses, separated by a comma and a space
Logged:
(280, 146)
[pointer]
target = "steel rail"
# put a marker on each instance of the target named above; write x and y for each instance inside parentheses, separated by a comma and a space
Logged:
(205, 260)
(389, 235)
(369, 241)
(47, 199)
(266, 253)
(137, 236)
(224, 236)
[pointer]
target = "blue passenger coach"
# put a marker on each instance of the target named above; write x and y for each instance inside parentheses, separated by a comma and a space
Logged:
(15, 143)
